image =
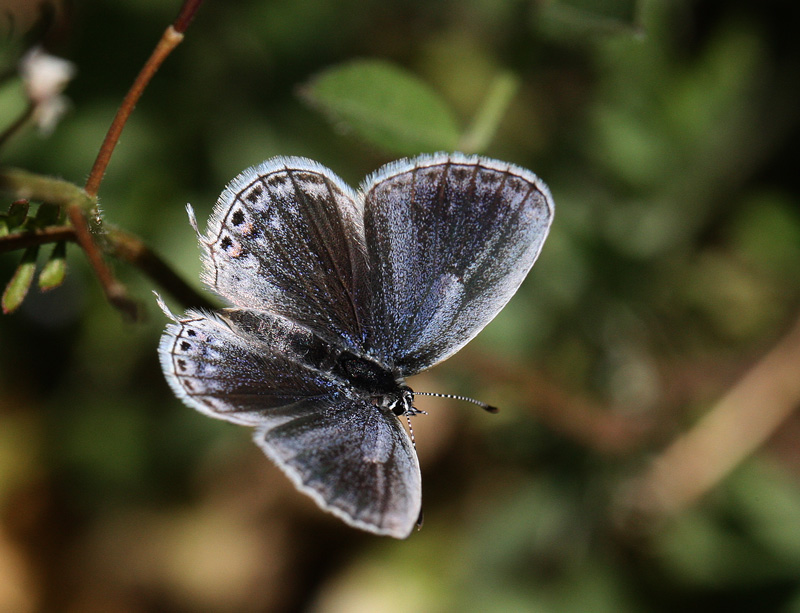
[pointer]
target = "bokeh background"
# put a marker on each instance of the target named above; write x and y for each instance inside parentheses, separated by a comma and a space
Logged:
(646, 457)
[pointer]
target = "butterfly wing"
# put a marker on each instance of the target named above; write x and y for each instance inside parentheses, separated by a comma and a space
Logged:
(237, 364)
(287, 237)
(353, 459)
(449, 240)
(258, 369)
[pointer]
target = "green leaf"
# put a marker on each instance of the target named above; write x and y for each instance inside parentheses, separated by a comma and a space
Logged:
(47, 215)
(16, 216)
(55, 269)
(20, 283)
(17, 213)
(386, 106)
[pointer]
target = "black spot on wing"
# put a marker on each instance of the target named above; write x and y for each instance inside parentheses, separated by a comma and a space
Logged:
(254, 194)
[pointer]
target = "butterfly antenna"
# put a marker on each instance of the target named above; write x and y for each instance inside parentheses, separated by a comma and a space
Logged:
(483, 405)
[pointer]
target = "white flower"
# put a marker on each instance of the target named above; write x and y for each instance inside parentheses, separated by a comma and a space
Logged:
(44, 77)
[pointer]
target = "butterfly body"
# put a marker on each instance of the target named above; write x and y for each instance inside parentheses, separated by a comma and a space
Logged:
(337, 296)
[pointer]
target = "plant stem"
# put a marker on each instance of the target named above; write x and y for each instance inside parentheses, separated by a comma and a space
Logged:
(186, 14)
(39, 188)
(114, 290)
(169, 40)
(80, 203)
(22, 240)
(172, 37)
(131, 249)
(116, 243)
(571, 415)
(484, 126)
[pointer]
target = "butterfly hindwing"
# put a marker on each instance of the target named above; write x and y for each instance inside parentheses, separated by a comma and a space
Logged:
(238, 364)
(353, 459)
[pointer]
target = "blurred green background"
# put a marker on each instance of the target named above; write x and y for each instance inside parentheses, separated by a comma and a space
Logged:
(667, 132)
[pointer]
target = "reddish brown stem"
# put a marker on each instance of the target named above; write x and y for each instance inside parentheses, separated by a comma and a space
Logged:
(122, 245)
(169, 40)
(131, 249)
(186, 15)
(574, 416)
(113, 289)
(22, 240)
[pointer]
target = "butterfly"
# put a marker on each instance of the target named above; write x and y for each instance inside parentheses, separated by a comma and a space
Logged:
(336, 297)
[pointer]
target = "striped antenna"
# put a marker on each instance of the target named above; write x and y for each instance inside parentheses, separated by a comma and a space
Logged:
(483, 405)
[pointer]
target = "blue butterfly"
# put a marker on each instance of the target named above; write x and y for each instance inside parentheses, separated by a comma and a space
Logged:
(339, 295)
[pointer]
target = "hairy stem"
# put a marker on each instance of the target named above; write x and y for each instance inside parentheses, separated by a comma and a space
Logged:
(114, 290)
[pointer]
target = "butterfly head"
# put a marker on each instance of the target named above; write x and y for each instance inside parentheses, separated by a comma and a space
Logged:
(400, 402)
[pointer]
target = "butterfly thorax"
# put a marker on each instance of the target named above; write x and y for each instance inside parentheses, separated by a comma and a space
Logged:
(386, 389)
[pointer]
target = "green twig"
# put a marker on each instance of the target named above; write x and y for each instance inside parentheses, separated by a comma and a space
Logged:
(119, 244)
(484, 126)
(39, 188)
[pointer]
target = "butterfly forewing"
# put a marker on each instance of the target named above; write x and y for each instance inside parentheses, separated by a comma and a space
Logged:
(287, 237)
(351, 458)
(450, 239)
